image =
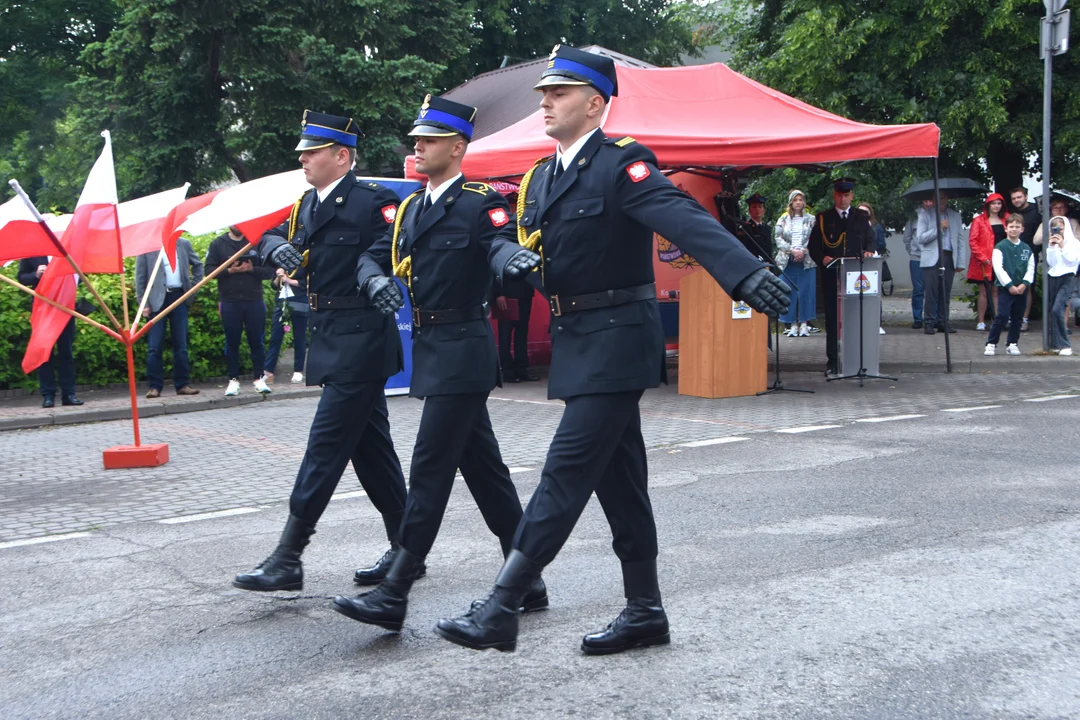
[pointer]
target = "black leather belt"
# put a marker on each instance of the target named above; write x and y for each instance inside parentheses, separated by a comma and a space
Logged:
(441, 317)
(325, 302)
(560, 305)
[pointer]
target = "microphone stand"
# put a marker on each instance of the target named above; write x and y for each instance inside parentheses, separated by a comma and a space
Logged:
(861, 374)
(778, 385)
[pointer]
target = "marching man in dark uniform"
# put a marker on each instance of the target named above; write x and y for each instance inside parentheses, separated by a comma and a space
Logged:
(591, 212)
(354, 348)
(840, 231)
(442, 246)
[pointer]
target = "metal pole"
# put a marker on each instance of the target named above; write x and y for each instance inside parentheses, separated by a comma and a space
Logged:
(1048, 80)
(943, 299)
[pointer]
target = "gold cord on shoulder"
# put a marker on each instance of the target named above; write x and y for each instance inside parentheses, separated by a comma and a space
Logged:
(403, 267)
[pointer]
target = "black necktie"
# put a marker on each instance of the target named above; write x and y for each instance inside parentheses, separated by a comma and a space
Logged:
(843, 214)
(425, 206)
(557, 172)
(315, 207)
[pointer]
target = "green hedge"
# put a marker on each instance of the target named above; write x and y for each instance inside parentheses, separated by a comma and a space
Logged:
(99, 359)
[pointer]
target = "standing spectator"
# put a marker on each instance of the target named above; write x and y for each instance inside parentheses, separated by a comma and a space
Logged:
(514, 298)
(879, 246)
(752, 232)
(1062, 259)
(168, 286)
(290, 309)
(243, 309)
(954, 259)
(1014, 269)
(30, 272)
(792, 234)
(987, 230)
(1032, 219)
(1059, 206)
(914, 250)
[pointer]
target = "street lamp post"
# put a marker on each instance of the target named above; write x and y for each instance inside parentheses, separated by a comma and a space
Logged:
(1053, 40)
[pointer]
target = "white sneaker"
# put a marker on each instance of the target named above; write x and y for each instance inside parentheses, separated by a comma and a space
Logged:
(791, 331)
(297, 377)
(233, 389)
(1065, 351)
(804, 330)
(991, 349)
(1012, 349)
(262, 387)
(880, 330)
(980, 326)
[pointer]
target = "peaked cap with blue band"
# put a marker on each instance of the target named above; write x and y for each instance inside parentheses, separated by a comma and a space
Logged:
(319, 130)
(570, 66)
(844, 184)
(443, 118)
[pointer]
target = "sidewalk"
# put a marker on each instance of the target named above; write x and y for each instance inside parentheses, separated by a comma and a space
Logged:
(903, 350)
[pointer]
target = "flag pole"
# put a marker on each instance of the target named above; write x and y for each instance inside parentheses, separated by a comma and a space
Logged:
(145, 295)
(123, 272)
(194, 288)
(63, 251)
(58, 306)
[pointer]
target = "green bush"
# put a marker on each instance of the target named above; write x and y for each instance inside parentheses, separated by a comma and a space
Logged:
(100, 359)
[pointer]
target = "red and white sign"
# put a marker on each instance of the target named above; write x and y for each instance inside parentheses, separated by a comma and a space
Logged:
(389, 213)
(638, 171)
(498, 217)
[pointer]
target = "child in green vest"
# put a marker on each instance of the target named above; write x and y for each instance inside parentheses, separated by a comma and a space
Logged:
(1014, 271)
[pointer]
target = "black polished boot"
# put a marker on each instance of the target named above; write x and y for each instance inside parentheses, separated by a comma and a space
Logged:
(377, 573)
(536, 596)
(385, 606)
(642, 622)
(493, 623)
(70, 399)
(283, 569)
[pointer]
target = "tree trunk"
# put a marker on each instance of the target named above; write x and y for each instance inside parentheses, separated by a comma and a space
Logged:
(1006, 166)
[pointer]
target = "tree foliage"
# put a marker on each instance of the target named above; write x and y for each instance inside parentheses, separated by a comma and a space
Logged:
(970, 66)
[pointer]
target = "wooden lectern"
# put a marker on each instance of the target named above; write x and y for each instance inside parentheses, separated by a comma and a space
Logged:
(719, 355)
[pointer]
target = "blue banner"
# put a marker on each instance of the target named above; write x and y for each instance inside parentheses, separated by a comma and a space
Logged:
(399, 384)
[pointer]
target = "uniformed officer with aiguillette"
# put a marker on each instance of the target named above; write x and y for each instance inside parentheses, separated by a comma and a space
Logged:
(443, 246)
(354, 347)
(591, 212)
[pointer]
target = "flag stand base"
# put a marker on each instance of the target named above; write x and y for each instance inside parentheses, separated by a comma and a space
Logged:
(135, 456)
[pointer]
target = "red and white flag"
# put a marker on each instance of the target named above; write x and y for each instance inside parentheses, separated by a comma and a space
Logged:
(92, 238)
(21, 236)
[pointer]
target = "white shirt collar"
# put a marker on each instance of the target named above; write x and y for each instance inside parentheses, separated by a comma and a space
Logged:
(325, 192)
(843, 212)
(571, 152)
(436, 193)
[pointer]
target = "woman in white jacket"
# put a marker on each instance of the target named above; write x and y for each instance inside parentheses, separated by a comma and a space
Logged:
(791, 234)
(1062, 260)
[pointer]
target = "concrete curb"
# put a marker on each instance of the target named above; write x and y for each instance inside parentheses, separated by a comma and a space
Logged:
(75, 417)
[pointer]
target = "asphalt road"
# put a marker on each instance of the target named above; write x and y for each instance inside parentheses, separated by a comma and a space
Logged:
(916, 567)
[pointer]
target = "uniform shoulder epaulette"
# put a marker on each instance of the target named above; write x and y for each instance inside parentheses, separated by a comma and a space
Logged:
(622, 142)
(477, 187)
(368, 184)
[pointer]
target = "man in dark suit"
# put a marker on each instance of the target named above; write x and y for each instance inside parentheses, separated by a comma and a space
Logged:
(30, 272)
(591, 212)
(168, 286)
(841, 231)
(442, 247)
(354, 347)
(752, 232)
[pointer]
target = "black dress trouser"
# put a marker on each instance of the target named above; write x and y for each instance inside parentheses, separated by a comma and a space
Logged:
(597, 448)
(455, 433)
(830, 295)
(351, 423)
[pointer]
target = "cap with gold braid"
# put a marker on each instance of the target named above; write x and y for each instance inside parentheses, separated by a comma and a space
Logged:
(570, 66)
(442, 118)
(319, 130)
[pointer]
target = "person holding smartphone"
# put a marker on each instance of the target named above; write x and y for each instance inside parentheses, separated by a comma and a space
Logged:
(1062, 260)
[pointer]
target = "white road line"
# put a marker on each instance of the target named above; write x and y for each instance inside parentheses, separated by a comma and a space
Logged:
(519, 469)
(806, 428)
(714, 441)
(889, 419)
(347, 495)
(207, 516)
(969, 409)
(40, 540)
(1050, 397)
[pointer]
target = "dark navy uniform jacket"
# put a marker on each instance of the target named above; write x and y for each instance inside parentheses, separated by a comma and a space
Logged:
(597, 226)
(451, 246)
(355, 344)
(851, 236)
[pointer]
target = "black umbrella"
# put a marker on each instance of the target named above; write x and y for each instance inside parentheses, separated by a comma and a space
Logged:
(955, 187)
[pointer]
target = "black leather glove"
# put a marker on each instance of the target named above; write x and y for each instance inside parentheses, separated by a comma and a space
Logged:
(521, 263)
(765, 293)
(384, 294)
(286, 257)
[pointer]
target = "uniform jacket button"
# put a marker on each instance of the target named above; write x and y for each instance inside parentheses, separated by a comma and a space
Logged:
(581, 211)
(611, 320)
(559, 328)
(545, 223)
(415, 279)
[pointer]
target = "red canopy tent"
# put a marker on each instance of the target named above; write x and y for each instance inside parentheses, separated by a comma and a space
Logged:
(708, 116)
